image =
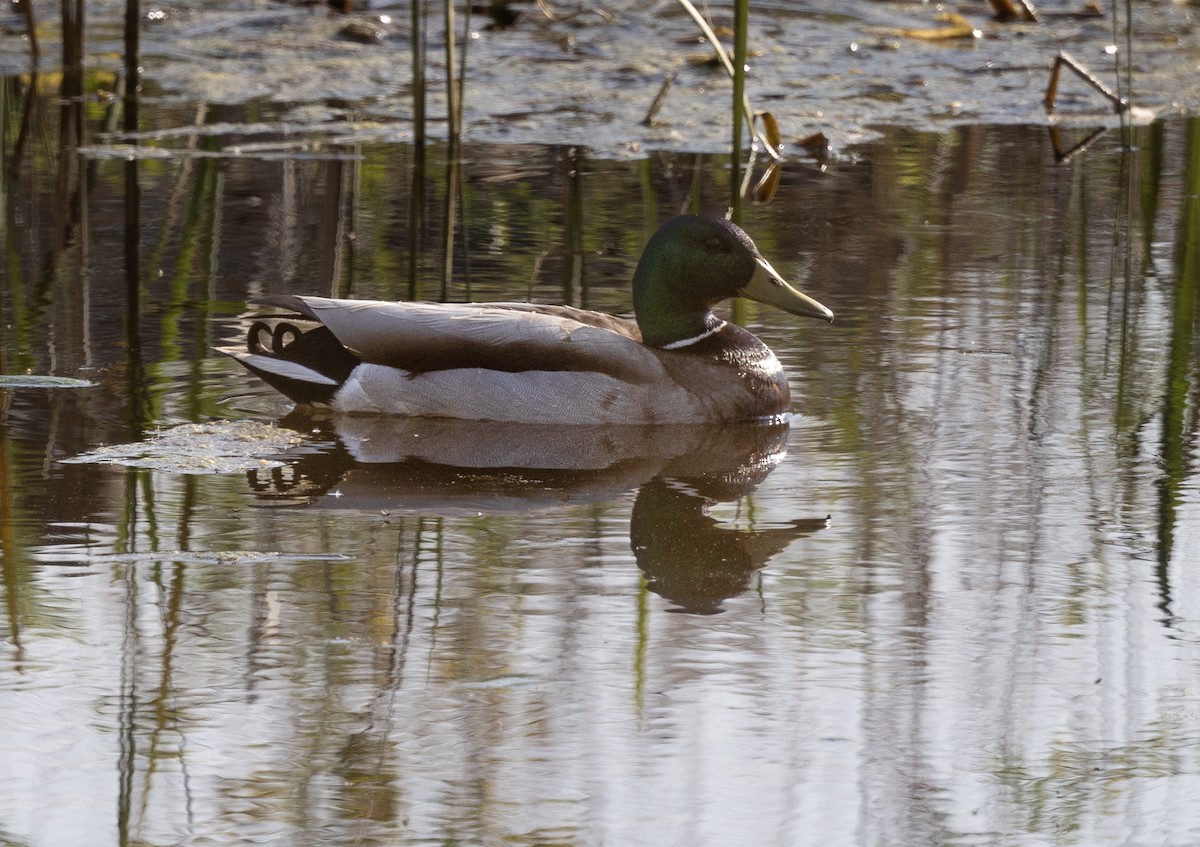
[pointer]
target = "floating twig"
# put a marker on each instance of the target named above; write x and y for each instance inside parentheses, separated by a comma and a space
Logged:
(659, 99)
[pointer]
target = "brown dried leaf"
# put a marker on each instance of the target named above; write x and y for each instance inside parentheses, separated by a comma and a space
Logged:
(770, 128)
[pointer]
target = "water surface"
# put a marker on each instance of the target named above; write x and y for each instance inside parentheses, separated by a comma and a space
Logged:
(953, 602)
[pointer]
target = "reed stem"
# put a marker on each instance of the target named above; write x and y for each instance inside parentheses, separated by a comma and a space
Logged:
(728, 63)
(26, 9)
(741, 18)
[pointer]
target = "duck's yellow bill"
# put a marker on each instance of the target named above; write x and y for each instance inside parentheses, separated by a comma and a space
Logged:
(767, 286)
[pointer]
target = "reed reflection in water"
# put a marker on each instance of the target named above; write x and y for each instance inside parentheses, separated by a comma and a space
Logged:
(993, 640)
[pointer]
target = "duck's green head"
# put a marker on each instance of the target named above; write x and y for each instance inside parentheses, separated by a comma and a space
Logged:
(691, 264)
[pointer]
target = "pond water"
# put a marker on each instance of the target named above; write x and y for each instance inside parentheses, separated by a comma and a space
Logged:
(954, 601)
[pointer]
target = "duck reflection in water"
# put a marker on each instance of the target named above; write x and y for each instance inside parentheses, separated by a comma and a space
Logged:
(446, 466)
(687, 556)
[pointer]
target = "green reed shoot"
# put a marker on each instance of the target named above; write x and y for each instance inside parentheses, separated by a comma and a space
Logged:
(746, 111)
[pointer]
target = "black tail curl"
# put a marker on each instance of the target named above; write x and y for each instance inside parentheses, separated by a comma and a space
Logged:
(281, 336)
(317, 349)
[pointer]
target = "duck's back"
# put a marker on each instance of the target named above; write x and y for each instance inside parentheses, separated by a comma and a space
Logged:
(512, 362)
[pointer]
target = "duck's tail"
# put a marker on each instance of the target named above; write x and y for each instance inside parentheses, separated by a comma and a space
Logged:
(306, 367)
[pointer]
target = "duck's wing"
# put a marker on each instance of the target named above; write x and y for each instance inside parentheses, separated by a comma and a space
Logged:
(510, 337)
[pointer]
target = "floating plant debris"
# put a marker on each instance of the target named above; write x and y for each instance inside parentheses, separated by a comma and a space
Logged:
(956, 26)
(210, 448)
(41, 381)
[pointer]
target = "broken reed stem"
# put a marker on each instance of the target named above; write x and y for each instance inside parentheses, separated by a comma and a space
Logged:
(1065, 59)
(659, 99)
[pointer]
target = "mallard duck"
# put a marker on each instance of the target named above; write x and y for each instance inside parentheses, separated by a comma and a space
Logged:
(529, 363)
